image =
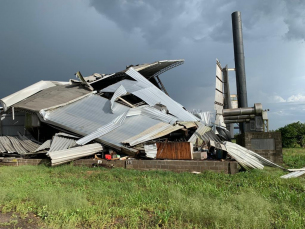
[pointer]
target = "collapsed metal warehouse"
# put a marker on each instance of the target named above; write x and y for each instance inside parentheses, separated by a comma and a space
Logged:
(127, 114)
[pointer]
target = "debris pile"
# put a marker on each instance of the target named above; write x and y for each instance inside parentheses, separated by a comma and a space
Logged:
(128, 113)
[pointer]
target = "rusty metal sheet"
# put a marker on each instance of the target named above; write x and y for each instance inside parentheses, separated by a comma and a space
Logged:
(175, 150)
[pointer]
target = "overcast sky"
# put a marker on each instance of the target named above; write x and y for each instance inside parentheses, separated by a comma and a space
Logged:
(51, 40)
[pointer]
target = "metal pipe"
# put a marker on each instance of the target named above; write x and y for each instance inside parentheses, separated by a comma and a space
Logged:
(252, 116)
(239, 59)
(239, 111)
(236, 121)
(13, 113)
(257, 109)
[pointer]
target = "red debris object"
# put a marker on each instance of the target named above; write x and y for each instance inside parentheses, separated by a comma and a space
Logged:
(108, 157)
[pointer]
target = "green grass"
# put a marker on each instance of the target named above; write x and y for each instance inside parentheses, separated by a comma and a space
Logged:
(80, 197)
(294, 157)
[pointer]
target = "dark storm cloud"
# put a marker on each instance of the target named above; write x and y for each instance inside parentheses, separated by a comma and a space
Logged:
(51, 40)
(167, 22)
(295, 20)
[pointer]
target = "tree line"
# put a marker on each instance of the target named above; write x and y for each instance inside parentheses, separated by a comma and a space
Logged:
(293, 135)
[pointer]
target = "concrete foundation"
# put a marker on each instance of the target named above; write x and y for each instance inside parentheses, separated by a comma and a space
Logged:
(266, 144)
(228, 167)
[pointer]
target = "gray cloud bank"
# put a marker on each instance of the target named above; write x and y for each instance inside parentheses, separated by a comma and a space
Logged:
(163, 23)
(51, 40)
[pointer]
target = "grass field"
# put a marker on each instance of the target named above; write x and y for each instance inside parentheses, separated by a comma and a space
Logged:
(79, 197)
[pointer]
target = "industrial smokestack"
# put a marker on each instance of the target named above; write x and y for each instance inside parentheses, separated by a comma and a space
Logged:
(239, 60)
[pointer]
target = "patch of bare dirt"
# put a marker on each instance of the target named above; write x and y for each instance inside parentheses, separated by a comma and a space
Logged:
(15, 220)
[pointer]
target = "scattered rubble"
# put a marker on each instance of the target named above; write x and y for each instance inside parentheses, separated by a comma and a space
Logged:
(127, 114)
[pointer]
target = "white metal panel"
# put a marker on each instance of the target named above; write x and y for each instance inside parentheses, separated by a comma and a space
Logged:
(153, 95)
(61, 143)
(147, 134)
(219, 78)
(118, 92)
(64, 156)
(103, 130)
(248, 158)
(201, 130)
(151, 150)
(85, 115)
(293, 174)
(219, 98)
(25, 93)
(156, 114)
(129, 85)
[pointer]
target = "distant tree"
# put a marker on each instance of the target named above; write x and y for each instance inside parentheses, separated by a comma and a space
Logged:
(293, 135)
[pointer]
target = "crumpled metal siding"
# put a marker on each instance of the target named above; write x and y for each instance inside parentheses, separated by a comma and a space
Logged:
(293, 174)
(83, 116)
(156, 114)
(170, 65)
(153, 95)
(18, 145)
(103, 130)
(157, 131)
(202, 129)
(64, 156)
(61, 143)
(44, 146)
(129, 85)
(147, 134)
(25, 93)
(6, 143)
(27, 143)
(118, 92)
(247, 158)
(157, 68)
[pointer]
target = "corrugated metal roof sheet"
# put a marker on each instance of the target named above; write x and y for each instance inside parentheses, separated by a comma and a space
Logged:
(157, 131)
(85, 115)
(28, 144)
(2, 148)
(44, 146)
(157, 68)
(151, 150)
(25, 93)
(129, 85)
(12, 144)
(6, 143)
(153, 95)
(118, 92)
(201, 130)
(61, 143)
(156, 114)
(51, 97)
(247, 158)
(64, 156)
(147, 134)
(293, 174)
(17, 145)
(117, 122)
